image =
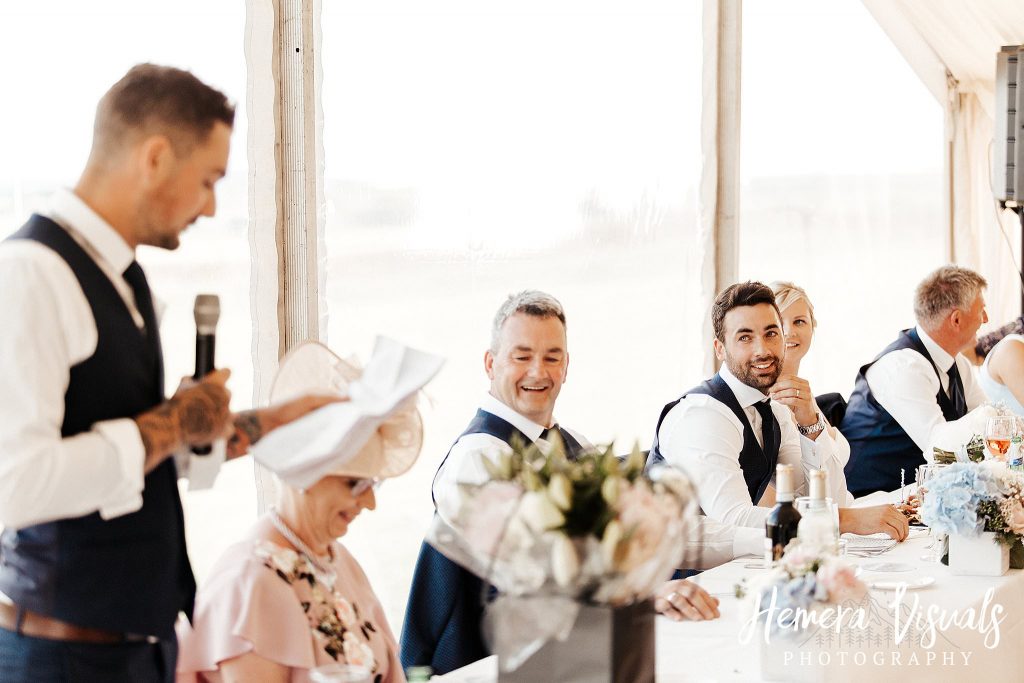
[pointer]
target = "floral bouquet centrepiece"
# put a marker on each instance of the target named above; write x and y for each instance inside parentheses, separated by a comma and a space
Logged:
(551, 533)
(971, 499)
(804, 579)
(809, 592)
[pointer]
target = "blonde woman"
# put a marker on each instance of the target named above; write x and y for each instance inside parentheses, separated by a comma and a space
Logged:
(798, 325)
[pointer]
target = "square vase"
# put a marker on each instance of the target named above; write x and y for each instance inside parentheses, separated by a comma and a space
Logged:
(980, 555)
(606, 645)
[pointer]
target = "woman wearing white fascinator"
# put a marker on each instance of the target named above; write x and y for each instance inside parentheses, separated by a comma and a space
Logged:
(290, 597)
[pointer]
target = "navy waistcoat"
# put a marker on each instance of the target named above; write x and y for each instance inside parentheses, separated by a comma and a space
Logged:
(129, 574)
(443, 618)
(758, 466)
(879, 448)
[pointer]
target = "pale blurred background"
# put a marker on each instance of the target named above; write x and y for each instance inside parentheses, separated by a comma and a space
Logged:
(474, 149)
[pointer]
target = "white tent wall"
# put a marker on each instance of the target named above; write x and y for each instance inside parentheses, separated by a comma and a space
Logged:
(952, 46)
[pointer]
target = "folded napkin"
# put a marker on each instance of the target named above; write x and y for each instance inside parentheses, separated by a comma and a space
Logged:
(376, 433)
(879, 542)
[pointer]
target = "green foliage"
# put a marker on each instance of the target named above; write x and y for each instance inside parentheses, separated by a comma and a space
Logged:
(590, 510)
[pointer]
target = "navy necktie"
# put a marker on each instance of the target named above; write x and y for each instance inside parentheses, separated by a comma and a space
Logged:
(769, 437)
(956, 392)
(136, 279)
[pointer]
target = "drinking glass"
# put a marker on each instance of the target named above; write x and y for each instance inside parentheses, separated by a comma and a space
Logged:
(998, 434)
(937, 548)
(339, 673)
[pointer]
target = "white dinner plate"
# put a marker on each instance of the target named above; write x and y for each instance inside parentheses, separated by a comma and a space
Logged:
(911, 584)
(889, 567)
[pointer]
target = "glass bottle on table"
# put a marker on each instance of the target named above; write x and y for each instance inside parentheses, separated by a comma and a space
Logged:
(937, 548)
(817, 528)
(780, 527)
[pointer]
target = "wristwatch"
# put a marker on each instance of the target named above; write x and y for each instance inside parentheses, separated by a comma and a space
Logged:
(812, 429)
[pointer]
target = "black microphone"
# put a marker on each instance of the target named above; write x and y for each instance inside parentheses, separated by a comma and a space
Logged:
(207, 312)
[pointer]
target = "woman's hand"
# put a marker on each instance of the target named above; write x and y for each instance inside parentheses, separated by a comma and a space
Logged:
(792, 391)
(682, 599)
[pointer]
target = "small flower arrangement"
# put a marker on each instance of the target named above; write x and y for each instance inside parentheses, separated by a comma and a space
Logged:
(967, 499)
(804, 579)
(335, 622)
(596, 529)
(974, 451)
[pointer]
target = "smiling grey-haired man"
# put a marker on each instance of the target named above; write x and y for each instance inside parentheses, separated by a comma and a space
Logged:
(527, 363)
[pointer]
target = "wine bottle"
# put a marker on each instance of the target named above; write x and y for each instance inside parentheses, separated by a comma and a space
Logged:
(817, 526)
(781, 525)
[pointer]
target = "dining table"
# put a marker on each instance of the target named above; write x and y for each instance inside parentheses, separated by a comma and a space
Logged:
(938, 627)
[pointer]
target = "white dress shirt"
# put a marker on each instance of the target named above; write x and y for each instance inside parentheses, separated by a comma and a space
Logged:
(703, 438)
(464, 464)
(49, 328)
(905, 384)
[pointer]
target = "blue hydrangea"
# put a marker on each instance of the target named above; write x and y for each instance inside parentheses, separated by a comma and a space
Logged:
(950, 505)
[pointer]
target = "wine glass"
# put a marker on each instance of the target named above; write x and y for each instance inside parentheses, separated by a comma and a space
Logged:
(936, 549)
(998, 434)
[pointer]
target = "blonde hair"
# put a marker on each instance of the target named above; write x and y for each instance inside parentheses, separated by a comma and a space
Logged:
(787, 294)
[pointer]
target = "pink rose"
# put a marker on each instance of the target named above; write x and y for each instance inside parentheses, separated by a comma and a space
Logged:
(1013, 511)
(357, 653)
(346, 615)
(841, 582)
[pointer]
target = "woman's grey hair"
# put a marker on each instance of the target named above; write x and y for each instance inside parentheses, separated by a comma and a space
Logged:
(530, 302)
(787, 294)
(943, 290)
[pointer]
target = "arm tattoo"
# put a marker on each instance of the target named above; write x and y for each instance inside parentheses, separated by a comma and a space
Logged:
(160, 433)
(248, 430)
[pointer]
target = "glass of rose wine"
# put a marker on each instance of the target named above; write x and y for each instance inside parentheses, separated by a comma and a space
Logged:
(1000, 431)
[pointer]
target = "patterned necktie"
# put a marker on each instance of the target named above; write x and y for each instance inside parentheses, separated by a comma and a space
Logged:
(956, 392)
(769, 440)
(144, 303)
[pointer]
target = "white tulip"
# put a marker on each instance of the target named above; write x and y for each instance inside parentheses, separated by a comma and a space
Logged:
(539, 513)
(610, 489)
(565, 562)
(610, 542)
(560, 490)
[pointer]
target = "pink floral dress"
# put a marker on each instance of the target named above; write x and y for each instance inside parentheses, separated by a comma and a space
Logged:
(265, 599)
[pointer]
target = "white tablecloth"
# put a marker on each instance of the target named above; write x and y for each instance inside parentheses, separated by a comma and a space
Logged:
(712, 651)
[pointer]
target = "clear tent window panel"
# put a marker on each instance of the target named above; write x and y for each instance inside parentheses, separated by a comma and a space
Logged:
(474, 150)
(841, 163)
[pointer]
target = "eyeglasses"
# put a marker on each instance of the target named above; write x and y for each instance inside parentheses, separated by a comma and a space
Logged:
(361, 486)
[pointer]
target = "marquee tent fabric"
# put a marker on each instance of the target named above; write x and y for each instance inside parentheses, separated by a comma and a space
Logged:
(952, 46)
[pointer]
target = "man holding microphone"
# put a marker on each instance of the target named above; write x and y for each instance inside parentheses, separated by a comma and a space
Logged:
(93, 565)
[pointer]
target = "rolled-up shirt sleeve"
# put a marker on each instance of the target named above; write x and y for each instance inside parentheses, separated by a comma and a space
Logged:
(829, 452)
(43, 476)
(703, 439)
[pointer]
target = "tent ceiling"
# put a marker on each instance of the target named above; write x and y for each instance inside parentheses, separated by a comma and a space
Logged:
(963, 37)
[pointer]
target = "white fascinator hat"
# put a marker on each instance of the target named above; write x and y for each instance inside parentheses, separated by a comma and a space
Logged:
(376, 433)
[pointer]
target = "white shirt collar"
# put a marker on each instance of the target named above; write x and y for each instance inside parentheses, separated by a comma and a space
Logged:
(528, 427)
(72, 213)
(943, 361)
(746, 395)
